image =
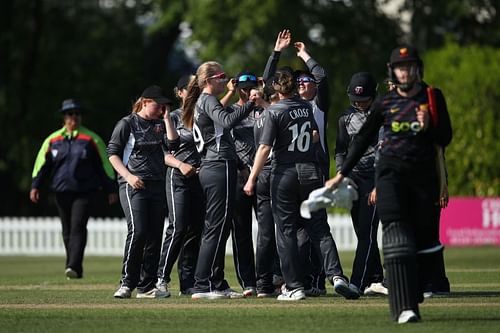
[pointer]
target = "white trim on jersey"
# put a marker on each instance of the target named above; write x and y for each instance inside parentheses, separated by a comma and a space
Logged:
(218, 132)
(129, 146)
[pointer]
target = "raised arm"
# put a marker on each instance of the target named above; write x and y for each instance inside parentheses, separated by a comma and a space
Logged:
(283, 40)
(320, 76)
(227, 117)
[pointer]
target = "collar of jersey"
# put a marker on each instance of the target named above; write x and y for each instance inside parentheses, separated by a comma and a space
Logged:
(69, 135)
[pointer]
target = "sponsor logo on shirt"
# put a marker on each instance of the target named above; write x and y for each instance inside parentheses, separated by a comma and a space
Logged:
(405, 126)
(158, 128)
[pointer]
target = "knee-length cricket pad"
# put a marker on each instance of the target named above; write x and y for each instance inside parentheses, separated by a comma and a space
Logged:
(401, 267)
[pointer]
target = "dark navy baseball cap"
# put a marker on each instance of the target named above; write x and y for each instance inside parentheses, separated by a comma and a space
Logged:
(70, 104)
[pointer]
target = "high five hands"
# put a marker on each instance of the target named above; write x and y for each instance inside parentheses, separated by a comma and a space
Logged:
(283, 40)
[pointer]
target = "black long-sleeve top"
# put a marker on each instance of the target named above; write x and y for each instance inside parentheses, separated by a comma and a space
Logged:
(350, 122)
(320, 102)
(141, 144)
(212, 125)
(186, 152)
(403, 138)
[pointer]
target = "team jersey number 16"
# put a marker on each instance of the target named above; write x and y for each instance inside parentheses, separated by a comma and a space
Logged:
(300, 139)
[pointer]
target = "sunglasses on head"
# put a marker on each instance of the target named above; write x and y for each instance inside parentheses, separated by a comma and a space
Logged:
(73, 113)
(220, 75)
(247, 77)
(305, 79)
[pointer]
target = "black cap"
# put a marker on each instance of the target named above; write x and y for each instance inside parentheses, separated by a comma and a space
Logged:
(246, 80)
(156, 94)
(362, 87)
(183, 82)
(404, 54)
(70, 104)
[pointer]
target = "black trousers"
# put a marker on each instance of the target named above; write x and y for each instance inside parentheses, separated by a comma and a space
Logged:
(407, 194)
(185, 222)
(266, 253)
(218, 181)
(74, 211)
(290, 185)
(145, 211)
(367, 267)
(241, 232)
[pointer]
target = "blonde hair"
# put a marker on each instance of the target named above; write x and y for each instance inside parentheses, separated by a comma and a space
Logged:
(196, 85)
(137, 105)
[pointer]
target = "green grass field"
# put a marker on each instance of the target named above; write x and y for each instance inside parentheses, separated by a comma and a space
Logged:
(36, 297)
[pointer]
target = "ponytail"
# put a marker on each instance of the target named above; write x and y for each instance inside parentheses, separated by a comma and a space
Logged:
(193, 92)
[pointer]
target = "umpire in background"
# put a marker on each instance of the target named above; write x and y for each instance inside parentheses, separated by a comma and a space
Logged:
(414, 122)
(74, 158)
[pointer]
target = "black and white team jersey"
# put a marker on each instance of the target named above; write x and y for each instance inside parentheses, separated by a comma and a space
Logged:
(212, 125)
(320, 103)
(350, 122)
(288, 127)
(403, 136)
(142, 145)
(258, 130)
(186, 152)
(243, 135)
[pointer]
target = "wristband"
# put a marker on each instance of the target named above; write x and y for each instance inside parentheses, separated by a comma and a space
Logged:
(179, 166)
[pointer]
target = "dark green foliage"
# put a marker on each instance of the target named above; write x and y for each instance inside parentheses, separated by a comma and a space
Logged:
(469, 77)
(105, 52)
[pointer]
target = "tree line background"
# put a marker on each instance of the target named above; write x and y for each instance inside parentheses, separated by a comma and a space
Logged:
(105, 52)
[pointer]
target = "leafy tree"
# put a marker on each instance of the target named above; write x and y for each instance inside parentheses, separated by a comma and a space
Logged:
(106, 52)
(465, 21)
(344, 36)
(469, 77)
(54, 50)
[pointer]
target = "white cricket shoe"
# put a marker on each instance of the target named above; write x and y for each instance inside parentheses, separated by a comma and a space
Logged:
(162, 286)
(292, 295)
(123, 292)
(341, 287)
(153, 293)
(376, 288)
(233, 294)
(407, 316)
(70, 273)
(216, 294)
